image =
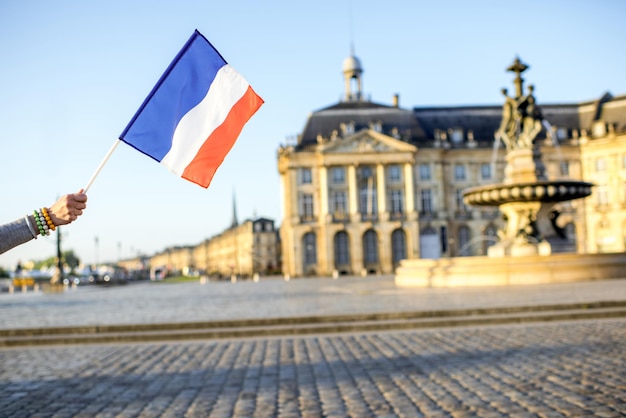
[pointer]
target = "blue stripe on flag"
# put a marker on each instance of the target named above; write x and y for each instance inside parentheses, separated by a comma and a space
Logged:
(183, 85)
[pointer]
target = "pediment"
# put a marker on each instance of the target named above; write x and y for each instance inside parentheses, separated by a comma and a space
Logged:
(367, 141)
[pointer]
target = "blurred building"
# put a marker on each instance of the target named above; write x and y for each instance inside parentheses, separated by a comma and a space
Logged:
(368, 184)
(242, 250)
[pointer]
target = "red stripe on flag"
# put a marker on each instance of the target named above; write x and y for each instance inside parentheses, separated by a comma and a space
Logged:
(212, 153)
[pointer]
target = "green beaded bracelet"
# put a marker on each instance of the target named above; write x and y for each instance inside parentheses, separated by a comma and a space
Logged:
(42, 230)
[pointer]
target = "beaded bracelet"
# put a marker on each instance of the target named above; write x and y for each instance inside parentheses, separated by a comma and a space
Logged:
(46, 216)
(41, 223)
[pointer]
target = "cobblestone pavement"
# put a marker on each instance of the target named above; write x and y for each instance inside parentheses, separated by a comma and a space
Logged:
(566, 369)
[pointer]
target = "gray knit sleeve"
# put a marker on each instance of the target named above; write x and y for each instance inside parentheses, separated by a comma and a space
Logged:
(14, 234)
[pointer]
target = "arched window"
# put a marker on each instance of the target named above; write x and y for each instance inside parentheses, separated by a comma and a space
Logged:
(430, 244)
(309, 246)
(342, 250)
(464, 238)
(398, 246)
(370, 248)
(491, 237)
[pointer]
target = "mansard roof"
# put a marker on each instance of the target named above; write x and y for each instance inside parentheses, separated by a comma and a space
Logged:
(331, 122)
(421, 126)
(484, 121)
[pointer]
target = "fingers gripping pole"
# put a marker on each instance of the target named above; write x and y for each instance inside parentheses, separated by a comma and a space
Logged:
(106, 157)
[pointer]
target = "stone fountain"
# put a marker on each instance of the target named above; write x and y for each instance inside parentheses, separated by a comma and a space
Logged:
(527, 200)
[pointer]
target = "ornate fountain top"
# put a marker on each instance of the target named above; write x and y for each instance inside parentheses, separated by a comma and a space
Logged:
(521, 118)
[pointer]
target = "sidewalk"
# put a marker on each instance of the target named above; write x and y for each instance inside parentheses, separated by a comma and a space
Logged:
(161, 302)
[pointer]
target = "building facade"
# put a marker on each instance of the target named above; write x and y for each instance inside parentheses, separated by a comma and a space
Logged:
(242, 250)
(368, 184)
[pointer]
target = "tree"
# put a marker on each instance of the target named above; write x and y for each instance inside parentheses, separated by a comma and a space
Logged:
(69, 259)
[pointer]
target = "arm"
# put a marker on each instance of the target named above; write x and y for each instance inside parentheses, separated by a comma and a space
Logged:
(62, 212)
(16, 233)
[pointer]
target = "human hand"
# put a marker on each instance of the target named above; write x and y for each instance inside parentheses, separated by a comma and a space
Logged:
(68, 208)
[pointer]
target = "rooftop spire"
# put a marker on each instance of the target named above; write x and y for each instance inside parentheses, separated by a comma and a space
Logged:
(234, 222)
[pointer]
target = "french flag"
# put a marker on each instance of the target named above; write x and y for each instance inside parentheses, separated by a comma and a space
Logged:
(194, 114)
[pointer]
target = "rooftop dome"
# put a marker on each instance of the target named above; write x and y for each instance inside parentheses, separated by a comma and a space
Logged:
(352, 64)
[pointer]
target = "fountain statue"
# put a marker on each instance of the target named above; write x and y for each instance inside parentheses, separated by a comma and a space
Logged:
(527, 197)
(528, 202)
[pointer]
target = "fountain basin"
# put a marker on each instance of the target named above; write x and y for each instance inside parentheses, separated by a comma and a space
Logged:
(537, 191)
(489, 271)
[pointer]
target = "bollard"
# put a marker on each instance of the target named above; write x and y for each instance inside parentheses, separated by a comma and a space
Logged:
(335, 274)
(255, 278)
(287, 277)
(233, 278)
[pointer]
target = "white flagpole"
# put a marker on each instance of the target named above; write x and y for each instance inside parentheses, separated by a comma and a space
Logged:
(106, 157)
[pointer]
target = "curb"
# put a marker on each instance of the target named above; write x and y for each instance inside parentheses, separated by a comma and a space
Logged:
(273, 327)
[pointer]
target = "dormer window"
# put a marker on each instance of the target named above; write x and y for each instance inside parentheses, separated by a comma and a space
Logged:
(376, 126)
(598, 129)
(456, 135)
(347, 128)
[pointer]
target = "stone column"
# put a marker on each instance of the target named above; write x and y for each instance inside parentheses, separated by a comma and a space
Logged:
(408, 188)
(381, 192)
(353, 192)
(323, 194)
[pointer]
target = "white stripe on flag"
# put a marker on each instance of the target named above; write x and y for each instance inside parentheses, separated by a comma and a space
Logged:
(197, 125)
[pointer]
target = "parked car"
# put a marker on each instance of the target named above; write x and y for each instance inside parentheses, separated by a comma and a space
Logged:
(109, 275)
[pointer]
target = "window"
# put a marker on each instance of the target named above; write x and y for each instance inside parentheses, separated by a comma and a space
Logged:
(342, 250)
(306, 176)
(460, 204)
(395, 174)
(306, 205)
(310, 250)
(485, 171)
(464, 238)
(397, 201)
(424, 171)
(491, 237)
(600, 164)
(368, 201)
(366, 172)
(456, 135)
(347, 128)
(459, 172)
(376, 126)
(426, 200)
(624, 161)
(370, 247)
(598, 129)
(367, 192)
(564, 168)
(398, 246)
(338, 175)
(338, 202)
(602, 195)
(443, 238)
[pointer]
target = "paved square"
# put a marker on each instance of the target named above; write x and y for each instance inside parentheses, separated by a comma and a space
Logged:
(542, 370)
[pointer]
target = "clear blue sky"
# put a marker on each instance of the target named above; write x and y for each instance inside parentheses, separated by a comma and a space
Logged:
(73, 73)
